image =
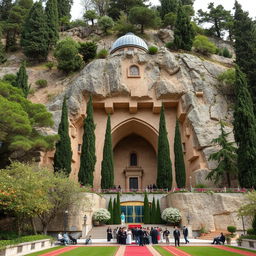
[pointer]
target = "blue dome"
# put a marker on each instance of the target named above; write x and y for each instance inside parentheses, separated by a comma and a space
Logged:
(129, 40)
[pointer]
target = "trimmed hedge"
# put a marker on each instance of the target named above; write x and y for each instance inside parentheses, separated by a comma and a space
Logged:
(22, 239)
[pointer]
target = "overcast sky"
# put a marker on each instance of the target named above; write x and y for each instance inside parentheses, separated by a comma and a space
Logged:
(248, 5)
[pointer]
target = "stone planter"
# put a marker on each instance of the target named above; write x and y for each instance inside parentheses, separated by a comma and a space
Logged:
(248, 243)
(26, 248)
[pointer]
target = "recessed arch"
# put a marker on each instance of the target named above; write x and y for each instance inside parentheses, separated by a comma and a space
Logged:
(135, 126)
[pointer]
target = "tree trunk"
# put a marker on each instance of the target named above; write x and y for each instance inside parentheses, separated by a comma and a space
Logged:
(33, 225)
(228, 180)
(142, 29)
(45, 228)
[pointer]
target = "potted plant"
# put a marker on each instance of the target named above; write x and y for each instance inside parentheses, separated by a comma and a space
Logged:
(101, 216)
(171, 216)
(228, 238)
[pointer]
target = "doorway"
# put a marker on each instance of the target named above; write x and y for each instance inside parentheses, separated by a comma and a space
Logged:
(134, 183)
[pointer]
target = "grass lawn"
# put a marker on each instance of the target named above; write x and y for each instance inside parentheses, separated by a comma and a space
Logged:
(45, 251)
(242, 249)
(92, 251)
(209, 251)
(162, 251)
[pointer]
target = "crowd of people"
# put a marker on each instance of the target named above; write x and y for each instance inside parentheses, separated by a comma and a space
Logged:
(143, 236)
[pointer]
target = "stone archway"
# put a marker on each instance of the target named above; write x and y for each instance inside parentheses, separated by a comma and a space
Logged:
(131, 137)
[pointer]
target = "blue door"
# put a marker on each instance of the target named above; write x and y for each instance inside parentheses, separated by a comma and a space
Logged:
(133, 213)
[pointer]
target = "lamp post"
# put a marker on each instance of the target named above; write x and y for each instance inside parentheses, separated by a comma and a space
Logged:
(190, 183)
(243, 224)
(65, 220)
(84, 227)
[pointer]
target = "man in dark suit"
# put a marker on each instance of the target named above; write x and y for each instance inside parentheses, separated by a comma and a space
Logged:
(176, 235)
(140, 234)
(185, 234)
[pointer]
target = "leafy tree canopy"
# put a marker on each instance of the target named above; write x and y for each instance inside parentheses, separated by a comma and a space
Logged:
(19, 124)
(217, 16)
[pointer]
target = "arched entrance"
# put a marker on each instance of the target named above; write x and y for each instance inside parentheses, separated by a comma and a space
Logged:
(135, 161)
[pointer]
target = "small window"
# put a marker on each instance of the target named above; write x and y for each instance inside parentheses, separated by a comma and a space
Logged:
(184, 147)
(133, 159)
(79, 147)
(134, 71)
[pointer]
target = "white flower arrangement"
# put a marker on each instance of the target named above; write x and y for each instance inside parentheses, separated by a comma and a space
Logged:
(171, 215)
(101, 215)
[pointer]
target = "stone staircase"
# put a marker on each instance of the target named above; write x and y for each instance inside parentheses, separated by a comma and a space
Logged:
(212, 235)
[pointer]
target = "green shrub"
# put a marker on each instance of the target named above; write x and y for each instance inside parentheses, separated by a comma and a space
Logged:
(253, 237)
(123, 25)
(170, 45)
(67, 55)
(10, 78)
(170, 19)
(251, 231)
(152, 50)
(199, 185)
(8, 235)
(41, 83)
(49, 65)
(226, 53)
(228, 77)
(202, 45)
(88, 50)
(102, 54)
(105, 23)
(231, 229)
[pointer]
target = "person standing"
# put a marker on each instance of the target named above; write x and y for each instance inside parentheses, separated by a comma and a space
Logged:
(141, 236)
(185, 234)
(129, 237)
(166, 236)
(176, 235)
(109, 234)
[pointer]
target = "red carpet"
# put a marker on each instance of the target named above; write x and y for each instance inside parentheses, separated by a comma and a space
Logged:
(236, 250)
(175, 251)
(137, 251)
(59, 251)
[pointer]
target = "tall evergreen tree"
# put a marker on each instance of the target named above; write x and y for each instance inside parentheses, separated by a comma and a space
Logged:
(22, 79)
(5, 7)
(245, 132)
(64, 8)
(34, 38)
(164, 164)
(110, 209)
(153, 212)
(63, 154)
(226, 158)
(88, 157)
(180, 170)
(183, 33)
(118, 209)
(158, 213)
(115, 212)
(146, 210)
(168, 6)
(107, 166)
(52, 19)
(245, 47)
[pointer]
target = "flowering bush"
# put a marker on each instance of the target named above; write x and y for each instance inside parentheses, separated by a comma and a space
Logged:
(101, 215)
(171, 215)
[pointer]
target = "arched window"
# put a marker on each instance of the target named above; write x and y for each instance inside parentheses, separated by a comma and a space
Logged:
(133, 159)
(134, 71)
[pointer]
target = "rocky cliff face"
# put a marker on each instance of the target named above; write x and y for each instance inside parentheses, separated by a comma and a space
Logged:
(169, 75)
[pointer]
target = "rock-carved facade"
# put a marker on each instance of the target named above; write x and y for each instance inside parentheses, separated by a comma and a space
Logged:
(132, 85)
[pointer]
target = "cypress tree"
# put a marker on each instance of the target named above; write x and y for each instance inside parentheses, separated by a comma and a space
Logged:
(245, 47)
(244, 132)
(158, 213)
(63, 154)
(22, 79)
(64, 8)
(153, 212)
(107, 166)
(110, 209)
(164, 164)
(115, 212)
(52, 19)
(118, 209)
(88, 157)
(183, 33)
(146, 210)
(34, 37)
(168, 6)
(180, 170)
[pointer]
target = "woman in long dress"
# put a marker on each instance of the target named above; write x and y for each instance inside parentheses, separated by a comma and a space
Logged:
(129, 237)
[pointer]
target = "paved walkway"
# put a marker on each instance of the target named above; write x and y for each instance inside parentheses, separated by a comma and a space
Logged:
(137, 251)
